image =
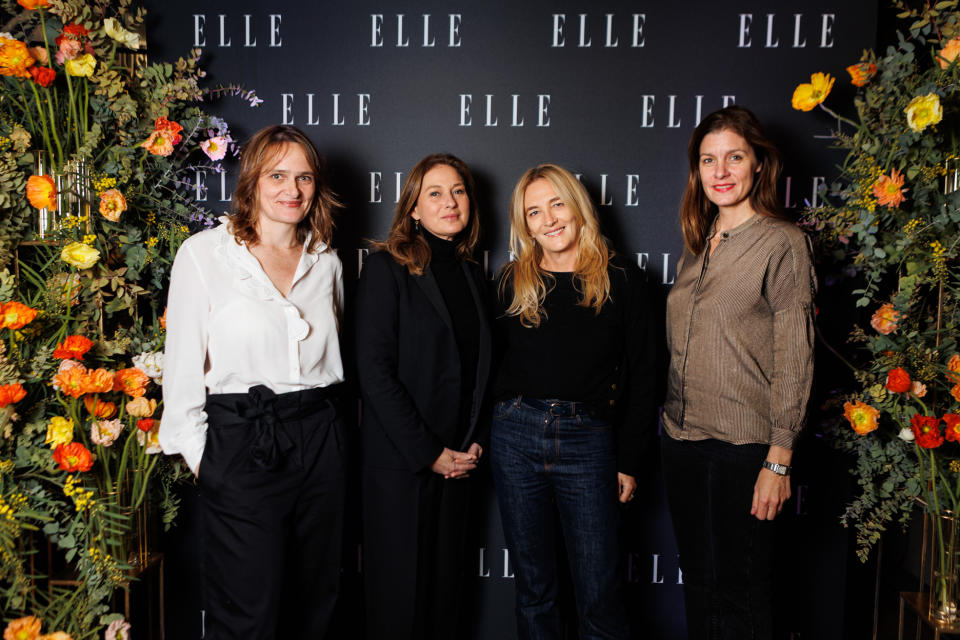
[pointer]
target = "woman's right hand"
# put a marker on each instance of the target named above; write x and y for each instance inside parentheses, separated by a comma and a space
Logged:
(454, 464)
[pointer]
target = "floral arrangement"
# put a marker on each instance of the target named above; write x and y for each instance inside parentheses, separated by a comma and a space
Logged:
(96, 159)
(893, 219)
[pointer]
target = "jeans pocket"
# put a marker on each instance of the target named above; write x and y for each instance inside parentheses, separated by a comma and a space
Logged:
(504, 409)
(587, 421)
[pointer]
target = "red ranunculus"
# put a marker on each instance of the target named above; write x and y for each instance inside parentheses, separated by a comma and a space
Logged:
(76, 30)
(952, 421)
(898, 381)
(43, 76)
(926, 430)
(73, 457)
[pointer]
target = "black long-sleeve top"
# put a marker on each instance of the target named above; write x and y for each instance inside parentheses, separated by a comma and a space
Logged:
(607, 360)
(452, 281)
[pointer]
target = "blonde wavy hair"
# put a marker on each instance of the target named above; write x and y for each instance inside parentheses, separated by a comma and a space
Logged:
(530, 281)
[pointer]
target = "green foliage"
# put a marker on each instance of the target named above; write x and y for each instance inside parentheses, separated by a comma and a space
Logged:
(902, 240)
(115, 299)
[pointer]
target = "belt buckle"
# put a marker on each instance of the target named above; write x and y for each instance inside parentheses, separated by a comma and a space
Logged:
(554, 405)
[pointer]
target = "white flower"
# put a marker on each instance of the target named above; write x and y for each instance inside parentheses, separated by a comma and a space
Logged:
(151, 363)
(150, 441)
(121, 35)
(906, 434)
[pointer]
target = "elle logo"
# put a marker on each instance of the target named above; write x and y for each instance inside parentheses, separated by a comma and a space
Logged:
(226, 35)
(337, 116)
(492, 118)
(772, 40)
(377, 28)
(610, 36)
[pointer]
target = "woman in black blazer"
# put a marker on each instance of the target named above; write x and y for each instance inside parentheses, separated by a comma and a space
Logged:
(423, 353)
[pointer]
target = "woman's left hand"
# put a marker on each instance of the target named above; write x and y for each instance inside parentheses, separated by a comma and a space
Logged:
(771, 490)
(628, 484)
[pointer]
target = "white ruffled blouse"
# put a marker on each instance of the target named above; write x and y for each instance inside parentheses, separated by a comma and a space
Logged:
(229, 329)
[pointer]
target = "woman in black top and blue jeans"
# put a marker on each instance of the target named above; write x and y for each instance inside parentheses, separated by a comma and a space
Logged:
(575, 403)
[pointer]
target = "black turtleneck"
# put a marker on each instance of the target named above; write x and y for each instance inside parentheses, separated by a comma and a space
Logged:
(451, 276)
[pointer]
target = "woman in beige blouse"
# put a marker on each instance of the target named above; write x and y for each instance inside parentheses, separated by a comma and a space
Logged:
(740, 333)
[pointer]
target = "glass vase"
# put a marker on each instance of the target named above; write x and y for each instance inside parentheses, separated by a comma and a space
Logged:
(944, 585)
(47, 223)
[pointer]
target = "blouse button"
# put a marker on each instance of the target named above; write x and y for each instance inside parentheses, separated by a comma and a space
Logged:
(299, 328)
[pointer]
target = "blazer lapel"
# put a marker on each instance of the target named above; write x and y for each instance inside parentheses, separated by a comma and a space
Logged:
(483, 358)
(428, 284)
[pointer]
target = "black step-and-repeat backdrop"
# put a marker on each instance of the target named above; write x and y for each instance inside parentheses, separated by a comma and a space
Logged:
(611, 90)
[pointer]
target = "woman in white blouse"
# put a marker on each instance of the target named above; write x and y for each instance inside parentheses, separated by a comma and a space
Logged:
(252, 372)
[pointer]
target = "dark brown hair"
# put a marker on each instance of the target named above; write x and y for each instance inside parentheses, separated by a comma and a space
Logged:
(697, 212)
(258, 152)
(406, 243)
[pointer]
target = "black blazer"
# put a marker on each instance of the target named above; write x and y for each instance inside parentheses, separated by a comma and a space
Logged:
(408, 365)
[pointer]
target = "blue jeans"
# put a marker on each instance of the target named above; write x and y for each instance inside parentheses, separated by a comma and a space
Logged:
(552, 458)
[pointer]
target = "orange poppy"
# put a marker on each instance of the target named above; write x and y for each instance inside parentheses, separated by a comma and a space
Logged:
(98, 408)
(41, 192)
(74, 347)
(16, 315)
(11, 393)
(132, 382)
(73, 457)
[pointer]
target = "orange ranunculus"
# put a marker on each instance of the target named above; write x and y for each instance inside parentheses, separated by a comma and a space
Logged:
(74, 347)
(72, 381)
(159, 144)
(952, 432)
(884, 319)
(948, 54)
(33, 4)
(169, 127)
(898, 381)
(73, 457)
(41, 192)
(132, 382)
(953, 368)
(39, 54)
(861, 73)
(16, 315)
(862, 417)
(99, 408)
(11, 393)
(112, 204)
(22, 629)
(99, 381)
(888, 189)
(15, 58)
(43, 76)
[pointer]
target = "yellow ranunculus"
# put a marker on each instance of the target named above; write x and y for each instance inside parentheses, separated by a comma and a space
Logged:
(808, 95)
(80, 255)
(924, 111)
(114, 30)
(59, 431)
(81, 65)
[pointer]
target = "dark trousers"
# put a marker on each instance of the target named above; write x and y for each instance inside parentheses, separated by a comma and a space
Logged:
(725, 553)
(415, 555)
(553, 458)
(272, 483)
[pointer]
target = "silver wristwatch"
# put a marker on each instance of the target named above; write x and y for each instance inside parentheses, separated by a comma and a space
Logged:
(779, 469)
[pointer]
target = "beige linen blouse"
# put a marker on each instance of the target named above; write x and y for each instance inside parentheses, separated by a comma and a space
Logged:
(740, 333)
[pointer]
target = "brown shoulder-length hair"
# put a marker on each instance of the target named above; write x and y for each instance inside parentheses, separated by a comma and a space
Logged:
(256, 157)
(529, 280)
(697, 212)
(406, 242)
